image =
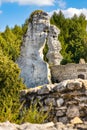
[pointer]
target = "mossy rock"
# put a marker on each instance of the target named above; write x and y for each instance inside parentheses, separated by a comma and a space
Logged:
(35, 13)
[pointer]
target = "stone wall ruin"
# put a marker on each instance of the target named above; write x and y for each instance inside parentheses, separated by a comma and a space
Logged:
(68, 100)
(68, 71)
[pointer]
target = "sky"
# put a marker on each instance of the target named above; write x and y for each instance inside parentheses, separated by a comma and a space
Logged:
(14, 12)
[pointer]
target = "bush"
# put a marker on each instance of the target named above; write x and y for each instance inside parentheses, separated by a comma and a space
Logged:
(10, 85)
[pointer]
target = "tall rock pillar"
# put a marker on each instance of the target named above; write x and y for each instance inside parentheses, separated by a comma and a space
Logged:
(34, 70)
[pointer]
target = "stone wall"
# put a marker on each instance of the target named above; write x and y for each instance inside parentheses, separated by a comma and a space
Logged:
(68, 71)
(65, 100)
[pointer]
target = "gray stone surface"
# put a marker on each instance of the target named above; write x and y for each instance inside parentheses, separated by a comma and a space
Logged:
(73, 111)
(68, 71)
(53, 55)
(60, 102)
(47, 126)
(34, 70)
(29, 126)
(64, 101)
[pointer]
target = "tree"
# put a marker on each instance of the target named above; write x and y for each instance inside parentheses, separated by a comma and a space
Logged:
(58, 19)
(72, 37)
(25, 26)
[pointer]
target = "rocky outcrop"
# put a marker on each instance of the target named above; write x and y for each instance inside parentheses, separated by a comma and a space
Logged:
(53, 55)
(47, 126)
(34, 70)
(66, 100)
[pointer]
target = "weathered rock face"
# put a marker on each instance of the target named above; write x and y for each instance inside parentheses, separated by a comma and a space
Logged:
(53, 55)
(34, 70)
(68, 100)
(46, 126)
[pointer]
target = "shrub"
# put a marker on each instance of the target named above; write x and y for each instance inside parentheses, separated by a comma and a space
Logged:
(10, 85)
(34, 114)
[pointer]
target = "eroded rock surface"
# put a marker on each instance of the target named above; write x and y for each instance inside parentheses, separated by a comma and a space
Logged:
(47, 126)
(53, 55)
(34, 70)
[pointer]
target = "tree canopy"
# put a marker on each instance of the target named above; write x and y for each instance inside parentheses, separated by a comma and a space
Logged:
(73, 35)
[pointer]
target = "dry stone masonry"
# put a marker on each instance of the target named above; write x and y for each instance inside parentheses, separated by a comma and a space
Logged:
(66, 100)
(34, 70)
(68, 71)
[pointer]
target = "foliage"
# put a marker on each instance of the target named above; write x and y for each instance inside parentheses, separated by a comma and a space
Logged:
(10, 86)
(72, 37)
(45, 51)
(11, 40)
(25, 26)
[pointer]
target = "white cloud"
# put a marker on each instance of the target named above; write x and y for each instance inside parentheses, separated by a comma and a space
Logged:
(68, 13)
(30, 2)
(61, 3)
(0, 12)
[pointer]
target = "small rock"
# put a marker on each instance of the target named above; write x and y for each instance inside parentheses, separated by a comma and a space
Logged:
(72, 111)
(50, 101)
(63, 119)
(59, 113)
(74, 85)
(44, 90)
(76, 120)
(60, 102)
(60, 87)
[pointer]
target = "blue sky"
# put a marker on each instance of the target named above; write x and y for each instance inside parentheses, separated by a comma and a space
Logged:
(16, 11)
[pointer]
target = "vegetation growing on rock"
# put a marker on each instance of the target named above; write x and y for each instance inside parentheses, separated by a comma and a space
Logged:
(10, 81)
(35, 13)
(45, 51)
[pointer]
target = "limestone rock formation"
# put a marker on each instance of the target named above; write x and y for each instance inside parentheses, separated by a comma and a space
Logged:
(53, 55)
(67, 99)
(34, 70)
